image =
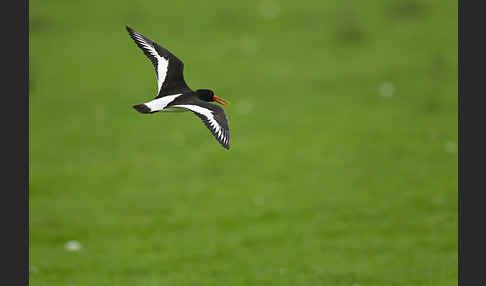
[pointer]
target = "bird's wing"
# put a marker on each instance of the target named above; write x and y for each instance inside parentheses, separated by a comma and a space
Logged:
(213, 117)
(168, 68)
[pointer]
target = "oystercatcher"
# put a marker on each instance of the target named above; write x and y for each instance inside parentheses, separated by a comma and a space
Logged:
(175, 95)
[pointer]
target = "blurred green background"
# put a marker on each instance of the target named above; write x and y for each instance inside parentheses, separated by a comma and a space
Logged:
(343, 161)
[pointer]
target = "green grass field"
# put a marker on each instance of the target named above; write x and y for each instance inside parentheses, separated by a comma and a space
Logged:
(343, 163)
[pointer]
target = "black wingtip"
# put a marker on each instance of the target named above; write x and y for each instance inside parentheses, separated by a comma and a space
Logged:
(142, 108)
(129, 30)
(225, 145)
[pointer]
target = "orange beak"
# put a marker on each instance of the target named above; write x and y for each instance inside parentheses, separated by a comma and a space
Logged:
(220, 100)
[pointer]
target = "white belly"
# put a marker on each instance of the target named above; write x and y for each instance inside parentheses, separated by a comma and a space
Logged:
(159, 104)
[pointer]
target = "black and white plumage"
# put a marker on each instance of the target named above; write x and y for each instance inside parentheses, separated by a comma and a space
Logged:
(175, 95)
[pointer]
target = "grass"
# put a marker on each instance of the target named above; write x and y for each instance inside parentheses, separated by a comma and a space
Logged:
(327, 182)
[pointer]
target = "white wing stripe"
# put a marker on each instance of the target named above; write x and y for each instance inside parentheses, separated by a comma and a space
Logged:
(162, 63)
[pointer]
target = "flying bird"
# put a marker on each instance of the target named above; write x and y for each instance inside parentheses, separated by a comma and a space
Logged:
(173, 93)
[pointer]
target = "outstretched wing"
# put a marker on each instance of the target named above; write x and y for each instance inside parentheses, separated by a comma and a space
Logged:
(213, 117)
(168, 68)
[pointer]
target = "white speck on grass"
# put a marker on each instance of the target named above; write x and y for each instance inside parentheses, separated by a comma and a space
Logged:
(73, 245)
(387, 89)
(269, 9)
(451, 147)
(249, 44)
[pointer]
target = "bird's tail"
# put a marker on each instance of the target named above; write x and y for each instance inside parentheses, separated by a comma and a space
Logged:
(142, 108)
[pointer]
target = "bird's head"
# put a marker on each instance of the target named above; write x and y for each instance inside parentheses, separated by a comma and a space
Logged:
(208, 95)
